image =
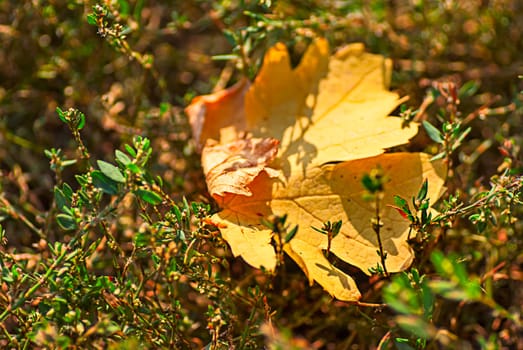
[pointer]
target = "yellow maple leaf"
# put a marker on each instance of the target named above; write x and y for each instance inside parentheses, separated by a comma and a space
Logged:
(328, 119)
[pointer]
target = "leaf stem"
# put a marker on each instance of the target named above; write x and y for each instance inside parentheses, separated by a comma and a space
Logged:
(377, 227)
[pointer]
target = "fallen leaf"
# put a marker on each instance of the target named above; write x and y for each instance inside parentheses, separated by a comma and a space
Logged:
(206, 114)
(231, 167)
(330, 116)
(326, 109)
(331, 193)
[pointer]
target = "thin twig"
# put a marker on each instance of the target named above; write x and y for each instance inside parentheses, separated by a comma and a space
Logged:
(12, 212)
(377, 230)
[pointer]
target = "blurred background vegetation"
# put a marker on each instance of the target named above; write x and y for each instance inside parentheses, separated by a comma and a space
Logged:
(131, 66)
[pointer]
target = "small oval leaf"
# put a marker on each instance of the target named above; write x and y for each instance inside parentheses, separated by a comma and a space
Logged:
(81, 121)
(122, 157)
(130, 150)
(66, 222)
(101, 181)
(433, 132)
(61, 199)
(111, 171)
(61, 114)
(148, 196)
(91, 19)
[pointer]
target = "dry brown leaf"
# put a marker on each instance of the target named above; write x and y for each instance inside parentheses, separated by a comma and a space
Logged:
(230, 168)
(328, 109)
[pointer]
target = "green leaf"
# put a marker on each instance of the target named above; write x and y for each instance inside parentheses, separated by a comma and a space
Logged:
(130, 150)
(433, 132)
(68, 191)
(468, 89)
(176, 211)
(81, 179)
(122, 157)
(416, 325)
(61, 115)
(186, 206)
(447, 289)
(473, 290)
(146, 143)
(400, 202)
(135, 169)
(112, 327)
(66, 222)
(371, 184)
(124, 7)
(224, 57)
(148, 196)
(463, 135)
(336, 227)
(68, 211)
(291, 234)
(137, 13)
(81, 122)
(60, 199)
(142, 239)
(400, 295)
(156, 260)
(6, 277)
(427, 299)
(230, 36)
(438, 156)
(91, 19)
(422, 194)
(111, 171)
(68, 162)
(164, 107)
(437, 259)
(106, 184)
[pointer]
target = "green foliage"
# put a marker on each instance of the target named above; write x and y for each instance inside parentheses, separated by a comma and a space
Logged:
(331, 230)
(105, 236)
(283, 234)
(417, 297)
(374, 184)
